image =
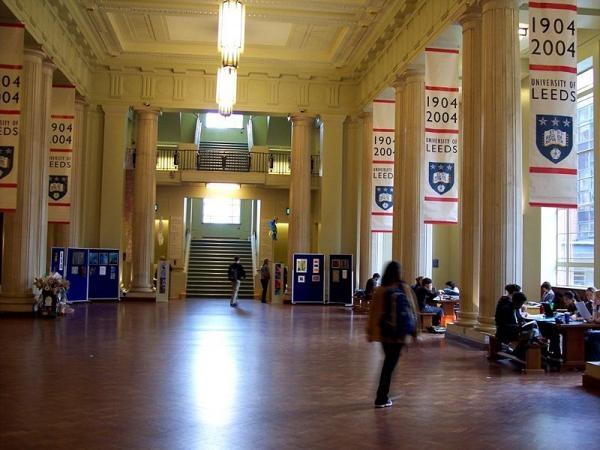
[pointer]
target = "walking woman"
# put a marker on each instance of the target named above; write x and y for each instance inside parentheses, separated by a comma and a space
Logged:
(392, 318)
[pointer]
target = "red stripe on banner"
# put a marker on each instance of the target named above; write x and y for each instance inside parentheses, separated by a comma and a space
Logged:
(442, 131)
(384, 101)
(545, 68)
(61, 150)
(547, 5)
(64, 86)
(554, 205)
(58, 221)
(381, 231)
(7, 210)
(442, 199)
(13, 112)
(58, 204)
(441, 88)
(381, 214)
(382, 162)
(12, 25)
(8, 185)
(440, 222)
(441, 50)
(553, 170)
(57, 116)
(384, 130)
(11, 66)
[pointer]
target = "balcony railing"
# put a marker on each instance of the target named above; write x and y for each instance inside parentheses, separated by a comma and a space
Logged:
(229, 161)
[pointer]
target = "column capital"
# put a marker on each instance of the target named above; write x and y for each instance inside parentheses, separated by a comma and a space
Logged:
(48, 65)
(33, 54)
(365, 115)
(399, 81)
(470, 17)
(414, 73)
(81, 102)
(499, 4)
(333, 118)
(146, 111)
(115, 109)
(302, 118)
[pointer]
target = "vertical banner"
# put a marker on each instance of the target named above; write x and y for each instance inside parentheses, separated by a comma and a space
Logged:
(553, 100)
(62, 116)
(11, 66)
(440, 176)
(382, 197)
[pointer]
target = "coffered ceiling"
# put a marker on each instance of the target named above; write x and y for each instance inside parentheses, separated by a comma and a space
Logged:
(310, 38)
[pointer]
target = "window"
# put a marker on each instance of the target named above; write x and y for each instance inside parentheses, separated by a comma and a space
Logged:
(575, 227)
(221, 210)
(215, 120)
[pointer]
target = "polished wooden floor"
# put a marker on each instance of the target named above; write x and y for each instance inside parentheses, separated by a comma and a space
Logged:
(199, 374)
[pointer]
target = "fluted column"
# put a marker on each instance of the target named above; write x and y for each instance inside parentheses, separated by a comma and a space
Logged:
(144, 199)
(470, 206)
(300, 180)
(399, 149)
(501, 230)
(351, 187)
(77, 172)
(23, 227)
(366, 186)
(411, 242)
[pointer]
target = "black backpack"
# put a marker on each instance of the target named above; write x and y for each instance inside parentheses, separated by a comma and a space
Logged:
(398, 318)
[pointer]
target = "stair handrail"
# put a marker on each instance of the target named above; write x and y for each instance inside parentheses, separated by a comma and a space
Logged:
(188, 244)
(254, 250)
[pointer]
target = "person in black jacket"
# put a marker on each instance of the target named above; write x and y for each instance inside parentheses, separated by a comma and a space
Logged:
(509, 323)
(235, 273)
(425, 298)
(371, 285)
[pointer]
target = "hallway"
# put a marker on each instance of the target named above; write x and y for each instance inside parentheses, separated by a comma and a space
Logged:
(199, 374)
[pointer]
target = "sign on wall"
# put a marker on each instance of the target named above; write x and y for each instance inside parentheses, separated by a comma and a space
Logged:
(553, 102)
(11, 67)
(440, 177)
(382, 195)
(62, 119)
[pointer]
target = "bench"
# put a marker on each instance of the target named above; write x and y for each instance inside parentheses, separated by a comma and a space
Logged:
(533, 356)
(426, 320)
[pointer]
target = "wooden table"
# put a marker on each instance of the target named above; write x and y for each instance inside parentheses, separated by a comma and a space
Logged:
(448, 304)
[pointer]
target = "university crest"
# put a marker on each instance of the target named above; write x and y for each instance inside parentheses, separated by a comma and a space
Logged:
(441, 177)
(384, 197)
(7, 155)
(57, 188)
(554, 136)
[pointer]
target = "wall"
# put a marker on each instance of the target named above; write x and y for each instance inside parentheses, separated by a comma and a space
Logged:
(260, 130)
(279, 132)
(446, 250)
(229, 231)
(169, 127)
(238, 135)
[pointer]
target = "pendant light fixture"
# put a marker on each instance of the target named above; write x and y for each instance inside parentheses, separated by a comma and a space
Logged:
(226, 89)
(232, 24)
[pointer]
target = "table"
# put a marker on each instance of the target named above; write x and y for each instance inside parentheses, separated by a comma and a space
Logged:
(573, 344)
(447, 304)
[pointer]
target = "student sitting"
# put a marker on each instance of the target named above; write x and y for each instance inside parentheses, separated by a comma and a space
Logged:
(451, 289)
(567, 301)
(589, 298)
(510, 324)
(371, 285)
(425, 295)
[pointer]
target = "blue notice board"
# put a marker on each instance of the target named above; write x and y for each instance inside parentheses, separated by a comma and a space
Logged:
(103, 274)
(341, 279)
(308, 275)
(58, 260)
(77, 274)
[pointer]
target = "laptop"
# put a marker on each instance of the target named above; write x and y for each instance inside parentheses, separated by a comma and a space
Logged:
(548, 310)
(583, 311)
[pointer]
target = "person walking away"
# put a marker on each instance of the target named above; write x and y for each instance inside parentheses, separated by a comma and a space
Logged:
(265, 276)
(235, 273)
(392, 318)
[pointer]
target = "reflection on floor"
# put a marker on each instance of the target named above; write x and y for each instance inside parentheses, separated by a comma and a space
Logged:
(199, 374)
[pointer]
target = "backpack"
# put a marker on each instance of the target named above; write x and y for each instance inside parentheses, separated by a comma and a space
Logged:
(232, 273)
(398, 319)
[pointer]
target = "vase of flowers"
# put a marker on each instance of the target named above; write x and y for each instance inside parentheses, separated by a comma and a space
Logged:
(52, 299)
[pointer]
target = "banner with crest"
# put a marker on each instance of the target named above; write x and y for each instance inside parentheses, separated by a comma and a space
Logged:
(62, 116)
(11, 67)
(440, 177)
(382, 195)
(553, 103)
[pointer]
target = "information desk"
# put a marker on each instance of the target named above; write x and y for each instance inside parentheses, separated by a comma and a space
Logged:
(573, 343)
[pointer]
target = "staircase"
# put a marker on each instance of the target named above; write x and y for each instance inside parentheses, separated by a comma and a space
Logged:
(207, 268)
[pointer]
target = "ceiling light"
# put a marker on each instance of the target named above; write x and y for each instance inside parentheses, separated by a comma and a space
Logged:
(223, 187)
(232, 24)
(226, 89)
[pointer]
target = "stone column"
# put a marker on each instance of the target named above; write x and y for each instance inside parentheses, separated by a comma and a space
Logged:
(399, 149)
(92, 177)
(366, 186)
(23, 227)
(144, 199)
(351, 188)
(411, 242)
(470, 188)
(74, 238)
(501, 228)
(332, 135)
(300, 180)
(113, 175)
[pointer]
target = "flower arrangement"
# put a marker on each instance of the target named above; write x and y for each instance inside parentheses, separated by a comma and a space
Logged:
(53, 282)
(52, 300)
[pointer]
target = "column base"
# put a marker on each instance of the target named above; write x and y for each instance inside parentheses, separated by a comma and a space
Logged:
(16, 304)
(486, 325)
(140, 295)
(467, 319)
(466, 334)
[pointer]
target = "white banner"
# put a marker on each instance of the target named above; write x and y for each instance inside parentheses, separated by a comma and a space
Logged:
(440, 170)
(62, 118)
(553, 102)
(11, 67)
(382, 196)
